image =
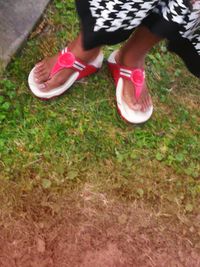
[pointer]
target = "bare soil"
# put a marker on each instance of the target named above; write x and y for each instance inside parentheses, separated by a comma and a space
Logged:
(88, 229)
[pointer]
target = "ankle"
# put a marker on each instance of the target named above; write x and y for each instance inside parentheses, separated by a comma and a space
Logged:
(131, 60)
(84, 55)
(77, 48)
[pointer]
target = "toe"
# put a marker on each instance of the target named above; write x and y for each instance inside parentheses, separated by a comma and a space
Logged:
(37, 70)
(143, 107)
(41, 76)
(44, 78)
(42, 86)
(150, 101)
(39, 67)
(40, 64)
(48, 85)
(147, 104)
(37, 75)
(136, 107)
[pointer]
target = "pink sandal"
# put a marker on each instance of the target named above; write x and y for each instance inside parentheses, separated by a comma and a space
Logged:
(137, 77)
(66, 60)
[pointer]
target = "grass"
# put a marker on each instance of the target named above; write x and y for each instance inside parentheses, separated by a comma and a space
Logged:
(60, 145)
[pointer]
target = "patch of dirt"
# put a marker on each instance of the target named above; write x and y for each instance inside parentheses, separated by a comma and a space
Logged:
(90, 230)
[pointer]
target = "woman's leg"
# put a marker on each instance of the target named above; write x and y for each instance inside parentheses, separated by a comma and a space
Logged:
(43, 69)
(133, 55)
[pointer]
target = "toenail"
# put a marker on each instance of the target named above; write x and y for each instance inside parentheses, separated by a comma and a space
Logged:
(137, 107)
(41, 86)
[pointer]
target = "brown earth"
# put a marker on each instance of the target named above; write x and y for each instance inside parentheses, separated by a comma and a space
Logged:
(90, 230)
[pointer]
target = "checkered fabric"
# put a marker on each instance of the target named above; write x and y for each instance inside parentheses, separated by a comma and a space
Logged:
(115, 14)
(112, 21)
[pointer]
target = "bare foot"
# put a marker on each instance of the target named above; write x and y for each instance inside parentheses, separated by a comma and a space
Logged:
(144, 102)
(43, 68)
(43, 71)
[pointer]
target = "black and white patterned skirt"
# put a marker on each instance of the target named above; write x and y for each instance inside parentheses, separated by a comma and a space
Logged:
(108, 22)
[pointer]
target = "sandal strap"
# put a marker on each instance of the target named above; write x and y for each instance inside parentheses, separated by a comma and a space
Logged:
(136, 76)
(67, 60)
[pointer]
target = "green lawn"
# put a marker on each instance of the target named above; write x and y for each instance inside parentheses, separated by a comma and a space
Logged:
(79, 138)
